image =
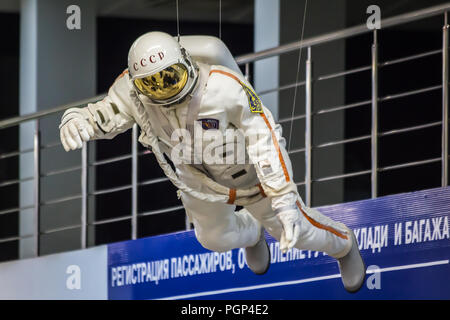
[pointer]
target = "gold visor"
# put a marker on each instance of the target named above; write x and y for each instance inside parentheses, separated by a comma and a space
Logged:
(164, 84)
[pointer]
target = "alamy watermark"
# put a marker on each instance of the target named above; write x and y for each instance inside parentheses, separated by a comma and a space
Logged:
(214, 146)
(374, 280)
(73, 281)
(374, 20)
(73, 21)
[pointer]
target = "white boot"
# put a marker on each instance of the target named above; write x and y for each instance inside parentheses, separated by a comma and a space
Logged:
(258, 256)
(352, 267)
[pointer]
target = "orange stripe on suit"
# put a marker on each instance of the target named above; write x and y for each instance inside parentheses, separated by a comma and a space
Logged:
(274, 138)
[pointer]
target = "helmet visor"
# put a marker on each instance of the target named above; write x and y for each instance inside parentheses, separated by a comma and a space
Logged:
(164, 84)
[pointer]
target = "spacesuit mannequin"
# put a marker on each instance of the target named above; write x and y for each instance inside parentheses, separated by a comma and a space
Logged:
(181, 105)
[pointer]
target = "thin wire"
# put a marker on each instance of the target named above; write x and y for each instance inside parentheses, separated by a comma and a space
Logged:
(178, 23)
(296, 77)
(220, 19)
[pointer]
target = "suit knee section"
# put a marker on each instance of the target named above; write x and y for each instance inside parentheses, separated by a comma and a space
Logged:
(217, 242)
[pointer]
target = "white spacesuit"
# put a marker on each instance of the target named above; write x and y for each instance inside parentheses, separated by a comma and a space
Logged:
(183, 108)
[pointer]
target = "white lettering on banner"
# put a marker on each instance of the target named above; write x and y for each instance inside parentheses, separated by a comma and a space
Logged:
(373, 238)
(436, 230)
(384, 236)
(293, 254)
(422, 230)
(152, 271)
(363, 238)
(398, 234)
(194, 264)
(427, 236)
(369, 243)
(408, 235)
(415, 235)
(445, 231)
(241, 258)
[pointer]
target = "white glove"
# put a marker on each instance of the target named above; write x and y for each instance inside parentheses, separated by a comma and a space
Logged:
(291, 221)
(74, 129)
(290, 217)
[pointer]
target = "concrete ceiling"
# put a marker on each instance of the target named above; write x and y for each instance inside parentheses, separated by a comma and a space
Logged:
(233, 11)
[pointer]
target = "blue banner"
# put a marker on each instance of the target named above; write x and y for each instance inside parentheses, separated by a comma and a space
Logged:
(404, 240)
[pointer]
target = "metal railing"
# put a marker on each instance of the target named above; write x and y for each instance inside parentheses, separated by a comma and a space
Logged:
(245, 61)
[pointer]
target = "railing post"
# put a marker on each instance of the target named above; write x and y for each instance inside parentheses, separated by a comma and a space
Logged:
(134, 182)
(374, 135)
(187, 223)
(84, 194)
(36, 187)
(308, 132)
(247, 72)
(445, 101)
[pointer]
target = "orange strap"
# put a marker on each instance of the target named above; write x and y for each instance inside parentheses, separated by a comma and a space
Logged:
(262, 190)
(232, 196)
(319, 225)
(226, 74)
(274, 138)
(120, 76)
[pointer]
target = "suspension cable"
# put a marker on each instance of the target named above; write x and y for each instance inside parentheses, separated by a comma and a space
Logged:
(220, 19)
(178, 22)
(298, 71)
